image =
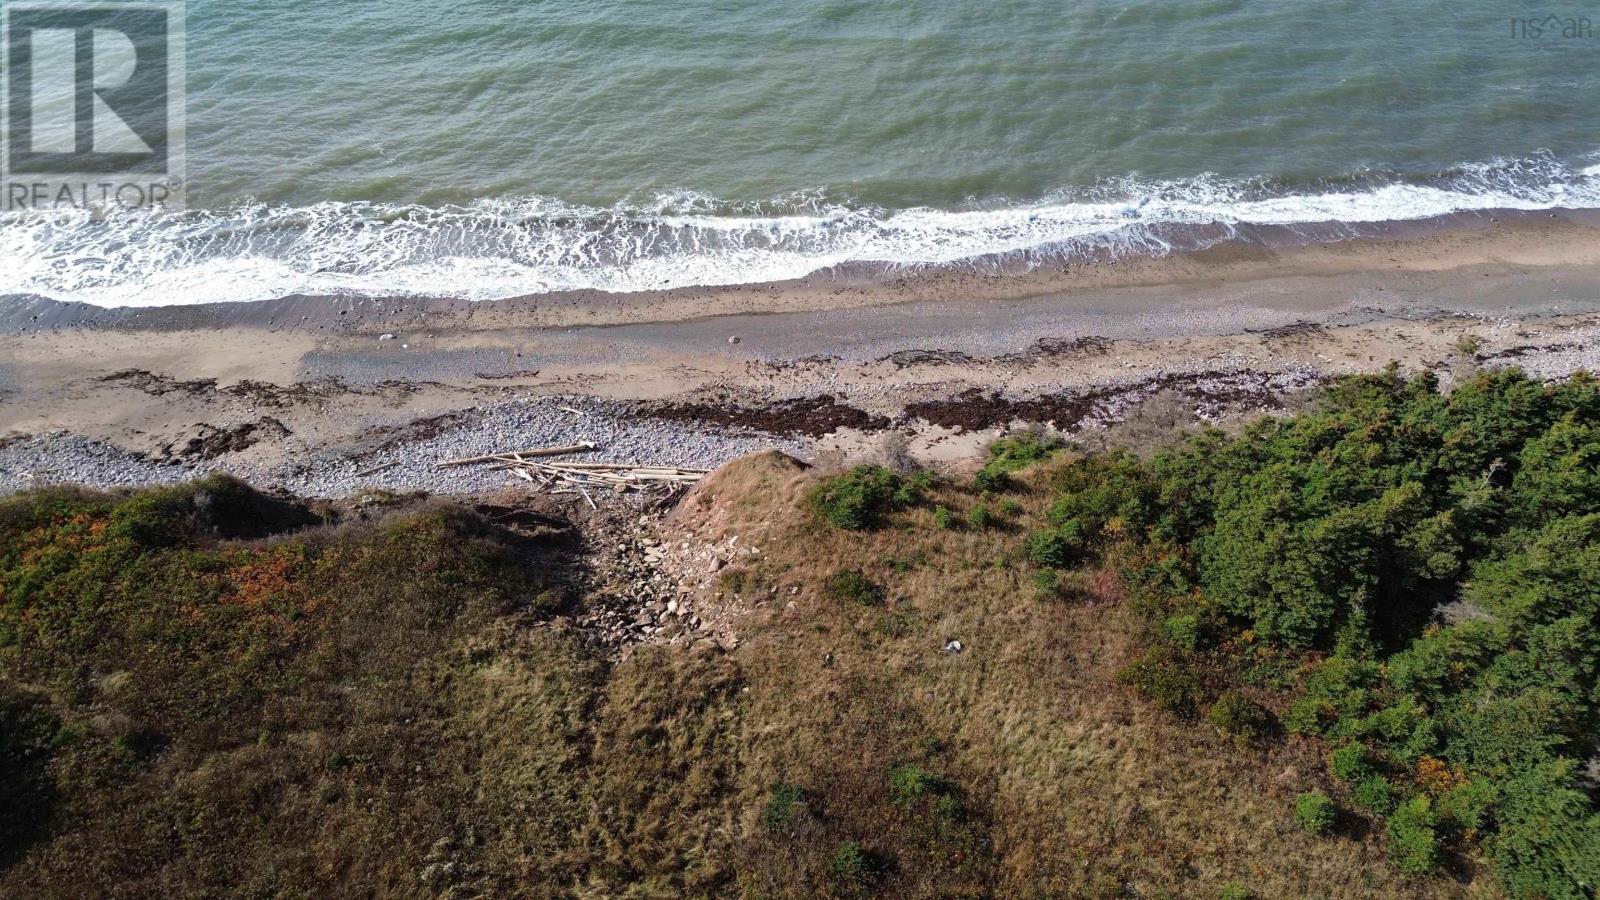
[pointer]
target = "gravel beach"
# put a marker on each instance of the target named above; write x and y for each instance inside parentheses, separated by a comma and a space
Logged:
(329, 397)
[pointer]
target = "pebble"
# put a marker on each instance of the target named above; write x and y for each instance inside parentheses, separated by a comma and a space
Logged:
(63, 458)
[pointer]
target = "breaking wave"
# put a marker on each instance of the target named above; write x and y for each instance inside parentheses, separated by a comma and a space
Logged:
(511, 247)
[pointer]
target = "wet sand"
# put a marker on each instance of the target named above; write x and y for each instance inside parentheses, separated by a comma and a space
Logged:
(872, 356)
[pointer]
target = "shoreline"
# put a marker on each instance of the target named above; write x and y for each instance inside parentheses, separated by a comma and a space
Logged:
(1493, 238)
(926, 368)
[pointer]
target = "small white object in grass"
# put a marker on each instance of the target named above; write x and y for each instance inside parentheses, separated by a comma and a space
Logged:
(734, 339)
(953, 647)
(386, 336)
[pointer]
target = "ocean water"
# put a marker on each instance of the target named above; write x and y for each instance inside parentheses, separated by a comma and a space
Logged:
(492, 148)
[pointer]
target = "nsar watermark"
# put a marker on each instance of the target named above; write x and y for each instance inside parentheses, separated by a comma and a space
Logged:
(1550, 30)
(93, 107)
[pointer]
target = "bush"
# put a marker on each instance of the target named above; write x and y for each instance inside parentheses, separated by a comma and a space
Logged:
(1375, 794)
(1183, 631)
(910, 783)
(1239, 717)
(1054, 548)
(979, 517)
(853, 586)
(993, 480)
(1107, 492)
(863, 497)
(786, 802)
(1467, 805)
(1413, 836)
(1010, 454)
(1548, 838)
(1233, 890)
(853, 865)
(944, 518)
(1350, 763)
(1328, 542)
(1316, 813)
(1336, 693)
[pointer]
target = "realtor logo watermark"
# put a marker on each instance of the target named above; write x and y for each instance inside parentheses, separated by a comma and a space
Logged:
(93, 111)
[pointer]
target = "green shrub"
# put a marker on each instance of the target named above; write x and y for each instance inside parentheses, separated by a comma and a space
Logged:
(1010, 454)
(786, 802)
(1183, 631)
(1233, 890)
(853, 865)
(910, 783)
(1328, 541)
(1316, 813)
(1375, 794)
(1466, 806)
(853, 586)
(1105, 492)
(1010, 508)
(1055, 548)
(1548, 839)
(550, 601)
(1337, 693)
(1239, 717)
(1413, 836)
(862, 498)
(944, 518)
(979, 517)
(1350, 763)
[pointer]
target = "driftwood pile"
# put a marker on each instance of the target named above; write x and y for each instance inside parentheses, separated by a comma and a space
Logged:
(567, 477)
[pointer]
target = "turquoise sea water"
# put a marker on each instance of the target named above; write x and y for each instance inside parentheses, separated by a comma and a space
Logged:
(489, 148)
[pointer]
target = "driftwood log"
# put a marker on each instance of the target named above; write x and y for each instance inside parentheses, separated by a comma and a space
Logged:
(565, 477)
(584, 447)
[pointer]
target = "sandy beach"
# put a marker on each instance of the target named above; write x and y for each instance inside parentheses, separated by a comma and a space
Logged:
(326, 396)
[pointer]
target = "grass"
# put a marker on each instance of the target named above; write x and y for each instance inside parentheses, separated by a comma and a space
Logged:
(196, 708)
(853, 586)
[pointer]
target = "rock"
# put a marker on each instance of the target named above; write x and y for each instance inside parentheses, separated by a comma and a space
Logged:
(734, 339)
(953, 647)
(386, 336)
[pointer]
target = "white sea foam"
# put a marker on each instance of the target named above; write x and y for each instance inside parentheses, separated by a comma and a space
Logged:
(502, 248)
